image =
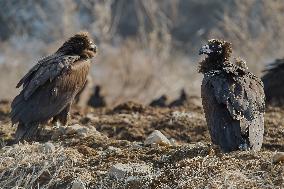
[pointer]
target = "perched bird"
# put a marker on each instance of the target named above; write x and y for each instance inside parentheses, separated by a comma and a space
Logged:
(232, 98)
(273, 81)
(96, 100)
(180, 101)
(50, 87)
(159, 102)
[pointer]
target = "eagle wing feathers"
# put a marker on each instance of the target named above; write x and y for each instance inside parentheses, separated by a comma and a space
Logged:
(45, 71)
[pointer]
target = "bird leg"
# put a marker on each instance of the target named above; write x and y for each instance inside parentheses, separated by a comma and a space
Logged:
(62, 117)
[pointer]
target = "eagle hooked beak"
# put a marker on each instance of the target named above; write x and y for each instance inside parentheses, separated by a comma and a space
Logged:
(205, 50)
(93, 48)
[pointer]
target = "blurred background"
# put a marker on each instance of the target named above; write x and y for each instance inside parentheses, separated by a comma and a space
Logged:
(146, 47)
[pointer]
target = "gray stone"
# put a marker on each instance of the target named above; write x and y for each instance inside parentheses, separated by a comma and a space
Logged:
(114, 149)
(76, 129)
(156, 137)
(81, 131)
(78, 184)
(48, 147)
(121, 171)
(173, 142)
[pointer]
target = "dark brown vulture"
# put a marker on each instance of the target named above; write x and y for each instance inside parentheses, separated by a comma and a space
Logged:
(50, 87)
(273, 81)
(232, 99)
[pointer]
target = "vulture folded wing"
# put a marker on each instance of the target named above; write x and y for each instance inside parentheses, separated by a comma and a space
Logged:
(242, 95)
(45, 71)
(25, 80)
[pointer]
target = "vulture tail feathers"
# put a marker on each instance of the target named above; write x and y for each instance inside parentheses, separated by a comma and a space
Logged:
(25, 132)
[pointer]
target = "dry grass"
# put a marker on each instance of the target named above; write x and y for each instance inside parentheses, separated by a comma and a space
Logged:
(29, 166)
(187, 166)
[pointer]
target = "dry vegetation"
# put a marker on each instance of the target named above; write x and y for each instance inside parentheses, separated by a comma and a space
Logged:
(146, 48)
(192, 163)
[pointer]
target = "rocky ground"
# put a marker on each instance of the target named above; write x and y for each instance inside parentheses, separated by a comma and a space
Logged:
(114, 148)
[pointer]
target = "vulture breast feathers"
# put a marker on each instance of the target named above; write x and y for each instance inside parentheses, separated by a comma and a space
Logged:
(233, 99)
(50, 86)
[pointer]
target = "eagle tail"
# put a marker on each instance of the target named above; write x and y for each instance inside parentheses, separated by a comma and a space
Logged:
(17, 107)
(25, 132)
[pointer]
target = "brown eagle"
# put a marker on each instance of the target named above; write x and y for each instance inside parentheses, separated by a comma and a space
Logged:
(50, 87)
(273, 83)
(232, 98)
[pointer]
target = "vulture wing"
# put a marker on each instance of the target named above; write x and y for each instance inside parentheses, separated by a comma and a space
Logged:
(46, 70)
(242, 95)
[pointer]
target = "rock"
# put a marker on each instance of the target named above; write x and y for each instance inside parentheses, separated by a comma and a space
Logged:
(114, 149)
(173, 142)
(121, 171)
(136, 145)
(156, 137)
(48, 147)
(78, 184)
(76, 129)
(278, 157)
(79, 130)
(58, 131)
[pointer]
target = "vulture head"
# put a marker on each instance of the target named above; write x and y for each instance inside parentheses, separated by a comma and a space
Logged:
(217, 49)
(80, 44)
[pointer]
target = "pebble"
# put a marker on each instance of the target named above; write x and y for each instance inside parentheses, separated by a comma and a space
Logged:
(78, 184)
(48, 147)
(121, 170)
(156, 137)
(114, 149)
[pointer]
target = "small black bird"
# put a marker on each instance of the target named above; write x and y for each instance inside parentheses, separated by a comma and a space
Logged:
(96, 100)
(181, 100)
(159, 102)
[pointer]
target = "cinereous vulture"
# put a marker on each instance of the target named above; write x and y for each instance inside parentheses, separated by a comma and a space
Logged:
(273, 81)
(233, 99)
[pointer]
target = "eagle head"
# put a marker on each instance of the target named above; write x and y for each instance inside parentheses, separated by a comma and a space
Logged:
(217, 48)
(80, 44)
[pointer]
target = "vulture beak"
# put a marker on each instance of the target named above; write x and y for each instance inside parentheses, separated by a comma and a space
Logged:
(205, 50)
(93, 48)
